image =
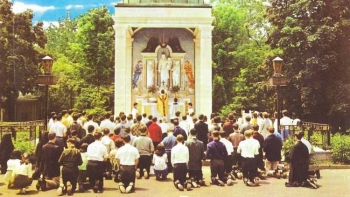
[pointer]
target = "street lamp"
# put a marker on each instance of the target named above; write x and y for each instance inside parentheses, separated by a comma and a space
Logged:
(46, 80)
(278, 80)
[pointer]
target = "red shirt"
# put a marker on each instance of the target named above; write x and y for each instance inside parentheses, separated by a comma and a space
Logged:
(155, 132)
(115, 137)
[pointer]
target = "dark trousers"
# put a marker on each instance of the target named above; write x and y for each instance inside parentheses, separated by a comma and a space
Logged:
(179, 172)
(145, 162)
(95, 171)
(217, 168)
(71, 175)
(127, 174)
(196, 175)
(170, 167)
(236, 158)
(155, 144)
(259, 161)
(249, 168)
(228, 162)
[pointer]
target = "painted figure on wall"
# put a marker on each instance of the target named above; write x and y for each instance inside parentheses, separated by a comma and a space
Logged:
(137, 73)
(164, 65)
(150, 73)
(176, 73)
(189, 74)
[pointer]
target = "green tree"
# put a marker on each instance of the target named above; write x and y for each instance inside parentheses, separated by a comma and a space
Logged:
(19, 59)
(84, 66)
(239, 51)
(95, 36)
(314, 38)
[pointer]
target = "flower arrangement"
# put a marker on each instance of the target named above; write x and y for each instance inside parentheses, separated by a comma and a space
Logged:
(153, 88)
(175, 89)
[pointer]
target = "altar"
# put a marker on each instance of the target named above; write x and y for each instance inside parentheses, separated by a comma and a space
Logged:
(148, 105)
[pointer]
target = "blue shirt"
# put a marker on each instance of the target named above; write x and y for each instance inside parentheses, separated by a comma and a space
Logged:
(169, 142)
(216, 150)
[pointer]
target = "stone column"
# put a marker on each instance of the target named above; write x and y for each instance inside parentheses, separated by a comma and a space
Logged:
(123, 71)
(203, 70)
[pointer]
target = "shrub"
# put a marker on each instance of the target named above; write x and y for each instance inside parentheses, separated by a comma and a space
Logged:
(287, 146)
(341, 148)
(23, 143)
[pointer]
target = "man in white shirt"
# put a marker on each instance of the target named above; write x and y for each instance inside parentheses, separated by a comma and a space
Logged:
(52, 119)
(107, 123)
(185, 125)
(107, 141)
(96, 156)
(90, 121)
(248, 149)
(285, 121)
(127, 159)
(264, 124)
(228, 161)
(60, 129)
(179, 160)
(134, 111)
(190, 109)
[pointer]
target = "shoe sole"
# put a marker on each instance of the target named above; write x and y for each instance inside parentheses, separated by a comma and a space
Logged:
(221, 183)
(180, 187)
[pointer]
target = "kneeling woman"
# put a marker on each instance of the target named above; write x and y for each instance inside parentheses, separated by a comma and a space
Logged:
(23, 174)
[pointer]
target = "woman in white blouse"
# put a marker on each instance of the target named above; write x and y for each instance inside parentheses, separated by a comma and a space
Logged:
(23, 174)
(12, 165)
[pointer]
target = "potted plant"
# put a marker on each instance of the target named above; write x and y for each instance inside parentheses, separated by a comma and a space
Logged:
(175, 90)
(152, 89)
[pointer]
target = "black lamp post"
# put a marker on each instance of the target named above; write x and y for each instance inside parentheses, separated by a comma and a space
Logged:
(46, 80)
(278, 80)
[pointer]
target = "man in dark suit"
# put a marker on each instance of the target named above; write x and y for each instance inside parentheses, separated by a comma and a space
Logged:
(51, 153)
(202, 130)
(89, 138)
(178, 130)
(196, 155)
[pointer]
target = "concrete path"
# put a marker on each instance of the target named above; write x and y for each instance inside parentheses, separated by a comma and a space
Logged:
(334, 183)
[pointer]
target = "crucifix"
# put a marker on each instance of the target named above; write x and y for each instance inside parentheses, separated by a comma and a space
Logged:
(163, 82)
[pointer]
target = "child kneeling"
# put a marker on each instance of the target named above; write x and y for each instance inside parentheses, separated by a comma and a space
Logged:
(160, 160)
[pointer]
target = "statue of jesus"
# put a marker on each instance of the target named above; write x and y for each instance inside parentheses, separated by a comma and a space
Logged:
(164, 65)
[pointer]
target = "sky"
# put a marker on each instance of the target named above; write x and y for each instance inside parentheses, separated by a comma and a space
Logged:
(49, 11)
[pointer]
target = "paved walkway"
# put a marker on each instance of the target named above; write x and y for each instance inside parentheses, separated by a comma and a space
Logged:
(333, 183)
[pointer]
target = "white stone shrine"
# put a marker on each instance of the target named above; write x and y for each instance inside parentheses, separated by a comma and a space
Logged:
(163, 43)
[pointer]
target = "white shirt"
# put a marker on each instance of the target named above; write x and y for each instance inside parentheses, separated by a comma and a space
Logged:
(228, 145)
(58, 128)
(12, 164)
(108, 143)
(185, 126)
(179, 154)
(106, 123)
(190, 111)
(51, 122)
(307, 144)
(127, 154)
(90, 122)
(25, 170)
(160, 162)
(286, 121)
(295, 121)
(263, 127)
(97, 151)
(249, 148)
(164, 126)
(134, 112)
